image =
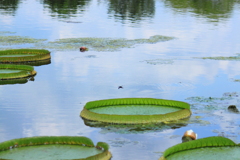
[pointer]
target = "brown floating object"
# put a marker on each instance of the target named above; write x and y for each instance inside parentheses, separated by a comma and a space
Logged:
(189, 136)
(233, 108)
(82, 49)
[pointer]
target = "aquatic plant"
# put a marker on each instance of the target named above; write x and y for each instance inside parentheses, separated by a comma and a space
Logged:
(57, 140)
(24, 55)
(209, 143)
(6, 32)
(231, 58)
(15, 40)
(101, 44)
(159, 61)
(11, 71)
(183, 111)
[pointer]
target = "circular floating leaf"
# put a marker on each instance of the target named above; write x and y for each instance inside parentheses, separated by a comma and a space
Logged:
(135, 110)
(11, 71)
(209, 148)
(54, 147)
(24, 55)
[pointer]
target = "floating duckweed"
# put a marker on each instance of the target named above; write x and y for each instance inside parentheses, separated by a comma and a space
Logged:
(159, 61)
(236, 58)
(15, 40)
(102, 44)
(58, 147)
(6, 32)
(207, 99)
(182, 112)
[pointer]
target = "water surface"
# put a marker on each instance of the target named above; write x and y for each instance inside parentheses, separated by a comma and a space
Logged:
(51, 104)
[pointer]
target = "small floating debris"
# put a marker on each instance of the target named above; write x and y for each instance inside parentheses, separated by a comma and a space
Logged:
(233, 108)
(189, 136)
(120, 87)
(83, 49)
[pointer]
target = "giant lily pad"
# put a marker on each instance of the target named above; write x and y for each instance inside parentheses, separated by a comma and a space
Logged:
(11, 71)
(209, 148)
(24, 55)
(54, 147)
(135, 110)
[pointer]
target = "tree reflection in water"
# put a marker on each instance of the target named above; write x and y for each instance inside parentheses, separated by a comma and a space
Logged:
(65, 8)
(133, 10)
(211, 9)
(9, 6)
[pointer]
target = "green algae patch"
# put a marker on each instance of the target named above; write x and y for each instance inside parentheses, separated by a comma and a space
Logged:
(209, 148)
(134, 111)
(16, 40)
(231, 58)
(102, 44)
(11, 71)
(24, 55)
(6, 32)
(54, 147)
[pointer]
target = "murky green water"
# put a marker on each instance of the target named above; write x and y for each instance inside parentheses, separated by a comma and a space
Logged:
(174, 69)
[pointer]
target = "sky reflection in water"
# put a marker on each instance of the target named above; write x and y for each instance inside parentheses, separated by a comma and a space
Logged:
(51, 104)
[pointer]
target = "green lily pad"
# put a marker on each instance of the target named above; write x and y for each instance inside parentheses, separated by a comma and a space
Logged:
(54, 147)
(209, 148)
(24, 55)
(135, 111)
(11, 71)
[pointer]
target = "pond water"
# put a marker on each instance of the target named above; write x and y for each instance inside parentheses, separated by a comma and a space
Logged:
(123, 51)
